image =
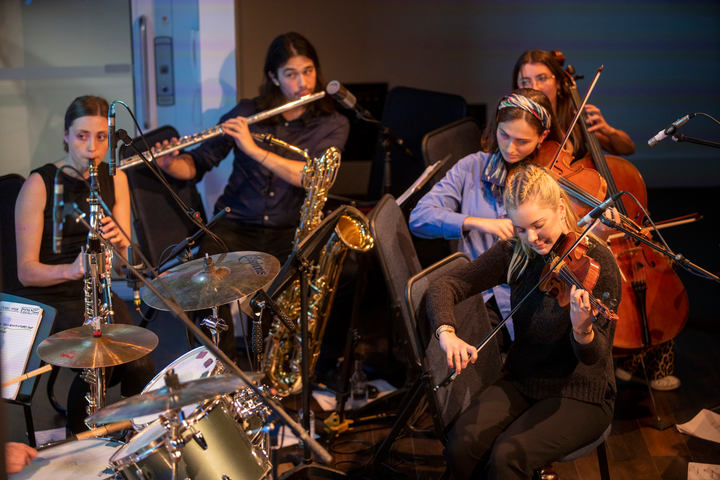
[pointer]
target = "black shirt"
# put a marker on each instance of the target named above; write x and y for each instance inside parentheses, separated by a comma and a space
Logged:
(255, 195)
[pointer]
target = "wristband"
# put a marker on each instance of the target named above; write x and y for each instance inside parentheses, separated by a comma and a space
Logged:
(267, 152)
(444, 328)
(584, 333)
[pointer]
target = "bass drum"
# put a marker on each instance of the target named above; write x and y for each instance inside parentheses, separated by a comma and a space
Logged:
(215, 447)
(194, 365)
(83, 460)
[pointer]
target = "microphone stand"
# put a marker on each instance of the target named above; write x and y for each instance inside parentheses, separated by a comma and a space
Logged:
(173, 306)
(679, 258)
(682, 138)
(389, 139)
(452, 375)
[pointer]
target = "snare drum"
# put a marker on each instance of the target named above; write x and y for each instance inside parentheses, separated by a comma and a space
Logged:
(194, 365)
(229, 451)
(81, 460)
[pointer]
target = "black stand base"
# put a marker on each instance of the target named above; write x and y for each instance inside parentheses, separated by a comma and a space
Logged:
(313, 470)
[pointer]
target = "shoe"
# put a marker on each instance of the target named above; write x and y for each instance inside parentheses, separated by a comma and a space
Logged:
(549, 473)
(667, 383)
(623, 374)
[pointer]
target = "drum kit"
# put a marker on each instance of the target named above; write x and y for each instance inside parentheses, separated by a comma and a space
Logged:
(192, 421)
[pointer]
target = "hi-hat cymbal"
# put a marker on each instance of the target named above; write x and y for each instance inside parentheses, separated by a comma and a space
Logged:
(227, 277)
(164, 399)
(77, 348)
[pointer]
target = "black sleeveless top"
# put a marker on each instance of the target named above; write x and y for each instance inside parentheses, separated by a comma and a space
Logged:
(74, 234)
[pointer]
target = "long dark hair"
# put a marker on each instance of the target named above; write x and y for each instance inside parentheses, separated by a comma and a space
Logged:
(565, 109)
(489, 137)
(282, 49)
(85, 106)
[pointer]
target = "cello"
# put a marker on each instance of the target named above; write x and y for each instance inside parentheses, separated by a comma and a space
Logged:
(654, 306)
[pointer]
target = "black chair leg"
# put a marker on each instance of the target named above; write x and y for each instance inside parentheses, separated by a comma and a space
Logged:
(51, 393)
(603, 462)
(29, 425)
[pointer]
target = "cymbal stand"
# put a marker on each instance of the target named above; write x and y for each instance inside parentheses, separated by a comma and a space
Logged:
(216, 325)
(175, 308)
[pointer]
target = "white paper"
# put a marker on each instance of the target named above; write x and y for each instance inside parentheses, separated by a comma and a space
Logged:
(703, 471)
(706, 425)
(46, 436)
(429, 171)
(328, 402)
(286, 437)
(18, 326)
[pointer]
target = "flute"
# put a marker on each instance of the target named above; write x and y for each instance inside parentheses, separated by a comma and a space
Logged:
(213, 132)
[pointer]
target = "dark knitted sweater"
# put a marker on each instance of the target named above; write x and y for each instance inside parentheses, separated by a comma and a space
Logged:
(545, 360)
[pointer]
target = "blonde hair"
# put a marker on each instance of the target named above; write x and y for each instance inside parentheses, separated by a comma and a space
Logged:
(533, 183)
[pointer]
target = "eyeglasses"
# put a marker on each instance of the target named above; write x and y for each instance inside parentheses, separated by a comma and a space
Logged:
(526, 82)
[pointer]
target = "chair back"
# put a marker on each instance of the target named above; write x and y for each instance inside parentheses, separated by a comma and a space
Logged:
(27, 387)
(159, 220)
(473, 325)
(458, 139)
(410, 113)
(10, 186)
(398, 262)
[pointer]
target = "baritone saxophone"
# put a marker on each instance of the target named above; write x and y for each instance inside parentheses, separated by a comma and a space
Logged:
(282, 363)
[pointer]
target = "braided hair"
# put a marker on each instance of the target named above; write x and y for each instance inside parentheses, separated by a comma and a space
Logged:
(532, 183)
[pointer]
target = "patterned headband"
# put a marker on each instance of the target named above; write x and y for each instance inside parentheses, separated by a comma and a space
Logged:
(518, 101)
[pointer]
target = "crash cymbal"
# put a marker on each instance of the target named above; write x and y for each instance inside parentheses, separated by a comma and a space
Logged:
(77, 348)
(215, 280)
(164, 399)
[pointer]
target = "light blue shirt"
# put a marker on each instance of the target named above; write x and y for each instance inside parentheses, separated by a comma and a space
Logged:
(441, 213)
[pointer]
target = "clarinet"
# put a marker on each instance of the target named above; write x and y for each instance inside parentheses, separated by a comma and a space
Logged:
(97, 263)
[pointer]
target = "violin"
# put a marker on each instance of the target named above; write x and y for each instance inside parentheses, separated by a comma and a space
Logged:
(577, 269)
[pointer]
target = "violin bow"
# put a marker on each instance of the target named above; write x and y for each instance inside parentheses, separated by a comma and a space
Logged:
(577, 115)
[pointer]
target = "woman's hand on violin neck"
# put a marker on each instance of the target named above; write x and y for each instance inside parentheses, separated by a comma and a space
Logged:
(459, 353)
(500, 227)
(581, 314)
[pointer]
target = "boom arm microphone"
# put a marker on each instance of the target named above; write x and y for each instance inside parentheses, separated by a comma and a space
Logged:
(597, 211)
(112, 139)
(58, 214)
(670, 130)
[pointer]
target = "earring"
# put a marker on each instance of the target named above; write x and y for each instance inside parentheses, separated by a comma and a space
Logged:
(537, 147)
(274, 80)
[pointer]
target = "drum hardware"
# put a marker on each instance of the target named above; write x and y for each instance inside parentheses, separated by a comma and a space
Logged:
(172, 304)
(258, 304)
(214, 280)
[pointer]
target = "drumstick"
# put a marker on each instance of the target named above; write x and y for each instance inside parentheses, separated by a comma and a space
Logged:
(95, 432)
(34, 373)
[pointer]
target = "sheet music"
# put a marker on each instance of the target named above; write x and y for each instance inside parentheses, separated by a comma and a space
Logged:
(703, 471)
(418, 184)
(18, 327)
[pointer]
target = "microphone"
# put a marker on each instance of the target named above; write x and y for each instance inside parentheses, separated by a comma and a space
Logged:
(670, 130)
(132, 280)
(597, 211)
(112, 139)
(58, 216)
(342, 95)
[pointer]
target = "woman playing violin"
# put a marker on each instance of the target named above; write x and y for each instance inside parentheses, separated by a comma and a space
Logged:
(468, 203)
(558, 389)
(538, 69)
